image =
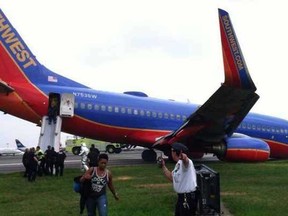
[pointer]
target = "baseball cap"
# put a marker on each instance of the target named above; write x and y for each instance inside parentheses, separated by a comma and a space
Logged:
(179, 147)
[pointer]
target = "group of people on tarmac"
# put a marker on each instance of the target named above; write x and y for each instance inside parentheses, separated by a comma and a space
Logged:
(37, 163)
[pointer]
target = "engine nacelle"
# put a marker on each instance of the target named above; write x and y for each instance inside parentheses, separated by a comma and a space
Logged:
(246, 149)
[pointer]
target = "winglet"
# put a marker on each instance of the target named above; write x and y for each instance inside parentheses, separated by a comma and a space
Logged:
(236, 71)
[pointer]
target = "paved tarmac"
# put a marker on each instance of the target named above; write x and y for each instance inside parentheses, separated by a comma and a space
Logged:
(10, 164)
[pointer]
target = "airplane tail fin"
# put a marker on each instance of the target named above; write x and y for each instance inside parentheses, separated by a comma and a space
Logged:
(19, 144)
(236, 71)
(18, 64)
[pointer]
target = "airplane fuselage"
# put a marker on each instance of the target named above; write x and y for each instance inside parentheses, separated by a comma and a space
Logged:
(8, 151)
(136, 120)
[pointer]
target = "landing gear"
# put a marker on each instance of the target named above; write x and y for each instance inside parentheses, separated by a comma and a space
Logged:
(149, 155)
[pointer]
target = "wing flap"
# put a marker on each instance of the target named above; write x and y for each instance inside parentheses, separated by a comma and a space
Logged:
(223, 112)
(216, 119)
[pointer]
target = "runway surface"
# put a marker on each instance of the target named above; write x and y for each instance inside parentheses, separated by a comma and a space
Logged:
(14, 163)
(10, 164)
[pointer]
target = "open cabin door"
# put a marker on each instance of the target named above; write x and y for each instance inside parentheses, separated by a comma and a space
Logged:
(60, 106)
(67, 105)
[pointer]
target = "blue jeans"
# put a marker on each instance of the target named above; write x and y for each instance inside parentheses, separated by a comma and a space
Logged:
(97, 202)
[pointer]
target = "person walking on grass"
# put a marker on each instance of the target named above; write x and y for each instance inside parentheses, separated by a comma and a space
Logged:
(99, 177)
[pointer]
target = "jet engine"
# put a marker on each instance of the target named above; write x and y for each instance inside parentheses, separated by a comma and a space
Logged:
(245, 149)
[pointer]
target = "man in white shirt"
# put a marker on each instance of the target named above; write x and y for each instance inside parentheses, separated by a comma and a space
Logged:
(184, 180)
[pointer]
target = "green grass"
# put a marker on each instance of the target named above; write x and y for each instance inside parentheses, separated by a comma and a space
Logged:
(254, 189)
(141, 190)
(246, 189)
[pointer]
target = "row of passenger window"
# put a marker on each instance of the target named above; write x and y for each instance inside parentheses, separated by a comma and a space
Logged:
(263, 128)
(147, 113)
(130, 111)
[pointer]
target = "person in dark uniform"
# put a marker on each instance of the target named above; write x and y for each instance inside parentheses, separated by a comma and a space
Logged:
(25, 162)
(33, 163)
(99, 177)
(93, 156)
(59, 166)
(53, 110)
(49, 161)
(53, 161)
(184, 180)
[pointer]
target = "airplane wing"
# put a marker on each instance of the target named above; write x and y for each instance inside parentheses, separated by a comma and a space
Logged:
(220, 115)
(5, 88)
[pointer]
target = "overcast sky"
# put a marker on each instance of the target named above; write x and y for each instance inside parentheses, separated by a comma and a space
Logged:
(167, 49)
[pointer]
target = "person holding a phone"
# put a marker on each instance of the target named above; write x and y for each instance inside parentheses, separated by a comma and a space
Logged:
(184, 180)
